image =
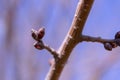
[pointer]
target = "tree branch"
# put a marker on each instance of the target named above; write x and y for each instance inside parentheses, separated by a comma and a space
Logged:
(51, 50)
(71, 40)
(73, 37)
(95, 39)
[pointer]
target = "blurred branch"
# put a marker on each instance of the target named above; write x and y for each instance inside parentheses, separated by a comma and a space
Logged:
(9, 19)
(105, 66)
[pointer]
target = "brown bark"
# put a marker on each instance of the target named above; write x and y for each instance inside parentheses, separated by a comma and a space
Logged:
(71, 40)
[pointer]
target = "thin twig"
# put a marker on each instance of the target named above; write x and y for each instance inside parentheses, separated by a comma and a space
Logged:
(51, 50)
(95, 39)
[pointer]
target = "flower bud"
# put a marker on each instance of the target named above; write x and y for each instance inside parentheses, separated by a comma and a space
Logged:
(41, 33)
(108, 46)
(114, 45)
(34, 34)
(117, 35)
(38, 45)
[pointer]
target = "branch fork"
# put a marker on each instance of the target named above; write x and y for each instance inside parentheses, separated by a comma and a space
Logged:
(39, 44)
(73, 37)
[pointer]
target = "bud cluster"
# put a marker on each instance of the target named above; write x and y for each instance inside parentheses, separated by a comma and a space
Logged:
(38, 35)
(110, 45)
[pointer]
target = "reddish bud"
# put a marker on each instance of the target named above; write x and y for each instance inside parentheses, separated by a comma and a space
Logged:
(114, 45)
(41, 33)
(117, 35)
(34, 34)
(108, 46)
(38, 45)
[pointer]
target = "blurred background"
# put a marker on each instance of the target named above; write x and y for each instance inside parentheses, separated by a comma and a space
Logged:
(19, 60)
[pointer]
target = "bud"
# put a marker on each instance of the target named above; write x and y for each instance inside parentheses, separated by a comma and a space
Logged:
(108, 46)
(41, 33)
(117, 35)
(117, 41)
(34, 34)
(38, 45)
(114, 45)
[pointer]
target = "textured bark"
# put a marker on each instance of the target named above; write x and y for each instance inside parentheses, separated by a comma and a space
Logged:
(71, 40)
